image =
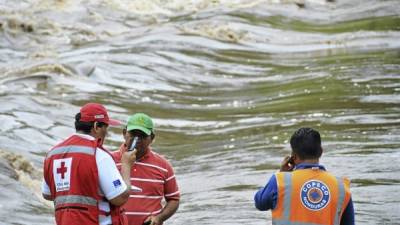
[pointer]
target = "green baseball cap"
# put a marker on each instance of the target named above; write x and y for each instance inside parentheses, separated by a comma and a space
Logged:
(140, 121)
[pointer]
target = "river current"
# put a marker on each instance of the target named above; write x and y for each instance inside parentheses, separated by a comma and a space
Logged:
(227, 83)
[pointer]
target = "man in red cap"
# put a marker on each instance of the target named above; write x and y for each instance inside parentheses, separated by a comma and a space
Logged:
(81, 177)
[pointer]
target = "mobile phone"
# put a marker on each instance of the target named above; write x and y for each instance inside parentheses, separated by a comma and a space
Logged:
(134, 142)
(147, 222)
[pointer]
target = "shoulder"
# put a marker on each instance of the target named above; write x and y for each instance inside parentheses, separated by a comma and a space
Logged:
(158, 156)
(61, 143)
(272, 180)
(281, 175)
(160, 159)
(346, 181)
(154, 160)
(103, 155)
(346, 184)
(105, 163)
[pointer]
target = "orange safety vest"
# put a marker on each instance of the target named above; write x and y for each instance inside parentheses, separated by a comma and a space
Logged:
(310, 197)
(70, 170)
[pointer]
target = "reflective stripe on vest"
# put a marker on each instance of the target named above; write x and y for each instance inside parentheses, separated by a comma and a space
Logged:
(71, 149)
(75, 199)
(287, 203)
(340, 201)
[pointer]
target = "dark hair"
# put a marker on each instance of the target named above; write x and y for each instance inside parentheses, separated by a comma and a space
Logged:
(306, 143)
(85, 127)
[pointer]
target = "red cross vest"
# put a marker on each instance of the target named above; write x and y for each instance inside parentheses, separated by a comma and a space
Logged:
(310, 197)
(70, 170)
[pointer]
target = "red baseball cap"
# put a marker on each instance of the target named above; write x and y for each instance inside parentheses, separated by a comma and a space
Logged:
(92, 112)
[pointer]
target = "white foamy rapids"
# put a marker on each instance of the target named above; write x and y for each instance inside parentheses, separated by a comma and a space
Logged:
(22, 170)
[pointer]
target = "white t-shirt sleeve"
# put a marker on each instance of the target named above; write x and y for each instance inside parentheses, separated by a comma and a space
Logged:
(111, 182)
(45, 188)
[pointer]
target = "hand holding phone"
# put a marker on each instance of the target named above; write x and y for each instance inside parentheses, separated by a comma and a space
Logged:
(134, 142)
(287, 164)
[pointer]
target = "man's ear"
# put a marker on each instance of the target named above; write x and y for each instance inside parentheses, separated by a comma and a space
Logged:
(94, 131)
(95, 126)
(124, 132)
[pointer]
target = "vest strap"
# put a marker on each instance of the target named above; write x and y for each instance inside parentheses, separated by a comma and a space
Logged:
(74, 199)
(340, 201)
(287, 201)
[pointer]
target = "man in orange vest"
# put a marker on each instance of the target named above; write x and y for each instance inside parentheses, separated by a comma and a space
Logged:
(81, 177)
(303, 192)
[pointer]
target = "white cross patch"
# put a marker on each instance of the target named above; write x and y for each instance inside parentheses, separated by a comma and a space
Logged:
(61, 173)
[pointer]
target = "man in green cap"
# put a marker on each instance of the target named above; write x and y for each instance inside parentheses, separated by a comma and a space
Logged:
(152, 177)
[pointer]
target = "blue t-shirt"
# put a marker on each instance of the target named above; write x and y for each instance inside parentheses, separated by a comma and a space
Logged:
(266, 197)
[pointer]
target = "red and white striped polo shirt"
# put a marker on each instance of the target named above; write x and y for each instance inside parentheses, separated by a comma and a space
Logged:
(153, 179)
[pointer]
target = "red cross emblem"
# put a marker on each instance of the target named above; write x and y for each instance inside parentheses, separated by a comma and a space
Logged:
(62, 170)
